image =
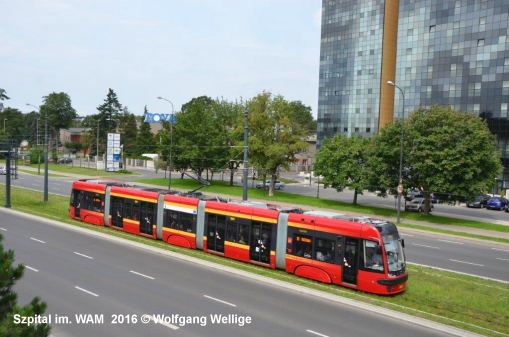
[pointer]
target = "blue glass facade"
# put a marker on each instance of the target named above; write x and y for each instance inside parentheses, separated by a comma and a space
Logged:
(449, 52)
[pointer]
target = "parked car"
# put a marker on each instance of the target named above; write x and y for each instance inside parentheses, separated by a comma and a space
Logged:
(412, 194)
(278, 185)
(478, 202)
(416, 205)
(3, 170)
(64, 160)
(497, 203)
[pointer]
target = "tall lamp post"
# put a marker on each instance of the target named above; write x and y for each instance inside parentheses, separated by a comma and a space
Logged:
(400, 181)
(37, 138)
(171, 136)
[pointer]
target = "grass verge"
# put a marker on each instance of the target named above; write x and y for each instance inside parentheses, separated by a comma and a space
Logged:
(462, 301)
(279, 196)
(42, 173)
(83, 170)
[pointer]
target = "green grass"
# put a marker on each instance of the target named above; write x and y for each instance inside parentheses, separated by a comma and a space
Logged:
(42, 173)
(64, 168)
(279, 196)
(463, 301)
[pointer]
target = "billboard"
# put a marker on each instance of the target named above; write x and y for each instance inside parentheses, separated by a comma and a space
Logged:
(158, 118)
(113, 150)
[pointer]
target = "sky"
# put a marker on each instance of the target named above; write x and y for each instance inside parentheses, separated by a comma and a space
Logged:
(177, 49)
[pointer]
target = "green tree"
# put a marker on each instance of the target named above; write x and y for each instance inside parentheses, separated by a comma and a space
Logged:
(445, 151)
(60, 112)
(3, 95)
(145, 142)
(8, 306)
(274, 136)
(15, 126)
(109, 112)
(198, 138)
(129, 130)
(301, 115)
(342, 162)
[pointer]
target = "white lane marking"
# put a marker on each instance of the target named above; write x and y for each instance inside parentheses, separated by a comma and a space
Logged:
(36, 185)
(140, 274)
(458, 272)
(453, 242)
(465, 262)
(3, 229)
(86, 291)
(501, 259)
(31, 268)
(316, 333)
(425, 246)
(88, 257)
(34, 239)
(409, 235)
(168, 325)
(218, 300)
(501, 250)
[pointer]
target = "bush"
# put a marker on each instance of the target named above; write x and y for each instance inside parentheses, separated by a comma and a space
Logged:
(35, 153)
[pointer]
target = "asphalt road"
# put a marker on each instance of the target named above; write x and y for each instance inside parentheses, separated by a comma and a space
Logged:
(80, 274)
(484, 259)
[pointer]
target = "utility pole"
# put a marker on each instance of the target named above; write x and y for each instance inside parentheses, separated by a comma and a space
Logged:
(8, 177)
(38, 149)
(171, 136)
(97, 148)
(46, 157)
(245, 163)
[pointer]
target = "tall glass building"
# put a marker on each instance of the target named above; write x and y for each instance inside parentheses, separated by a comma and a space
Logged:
(446, 52)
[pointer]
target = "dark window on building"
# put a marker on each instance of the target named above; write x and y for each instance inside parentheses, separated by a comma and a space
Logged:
(432, 28)
(368, 130)
(480, 42)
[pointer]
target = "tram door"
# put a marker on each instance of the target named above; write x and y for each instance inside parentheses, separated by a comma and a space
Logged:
(77, 202)
(215, 232)
(260, 242)
(116, 212)
(350, 260)
(146, 217)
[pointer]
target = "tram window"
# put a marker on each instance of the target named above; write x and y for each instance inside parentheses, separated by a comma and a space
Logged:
(187, 221)
(126, 210)
(97, 202)
(243, 234)
(232, 230)
(179, 221)
(135, 215)
(237, 230)
(324, 250)
(373, 256)
(303, 245)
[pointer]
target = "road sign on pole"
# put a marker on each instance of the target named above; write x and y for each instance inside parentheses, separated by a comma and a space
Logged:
(113, 150)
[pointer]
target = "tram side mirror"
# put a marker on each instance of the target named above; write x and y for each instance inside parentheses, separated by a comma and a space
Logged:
(403, 243)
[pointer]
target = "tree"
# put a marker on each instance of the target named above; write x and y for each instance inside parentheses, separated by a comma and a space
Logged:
(60, 114)
(342, 162)
(109, 112)
(198, 138)
(274, 136)
(3, 95)
(15, 126)
(145, 142)
(129, 130)
(8, 307)
(301, 115)
(445, 151)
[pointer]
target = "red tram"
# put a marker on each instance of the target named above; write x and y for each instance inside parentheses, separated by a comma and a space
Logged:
(359, 253)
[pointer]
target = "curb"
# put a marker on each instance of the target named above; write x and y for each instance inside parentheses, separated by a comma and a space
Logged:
(265, 280)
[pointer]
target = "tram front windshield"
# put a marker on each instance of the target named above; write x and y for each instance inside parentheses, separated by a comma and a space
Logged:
(393, 249)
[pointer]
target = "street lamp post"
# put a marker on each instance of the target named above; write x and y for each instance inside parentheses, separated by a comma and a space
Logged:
(171, 136)
(37, 138)
(400, 181)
